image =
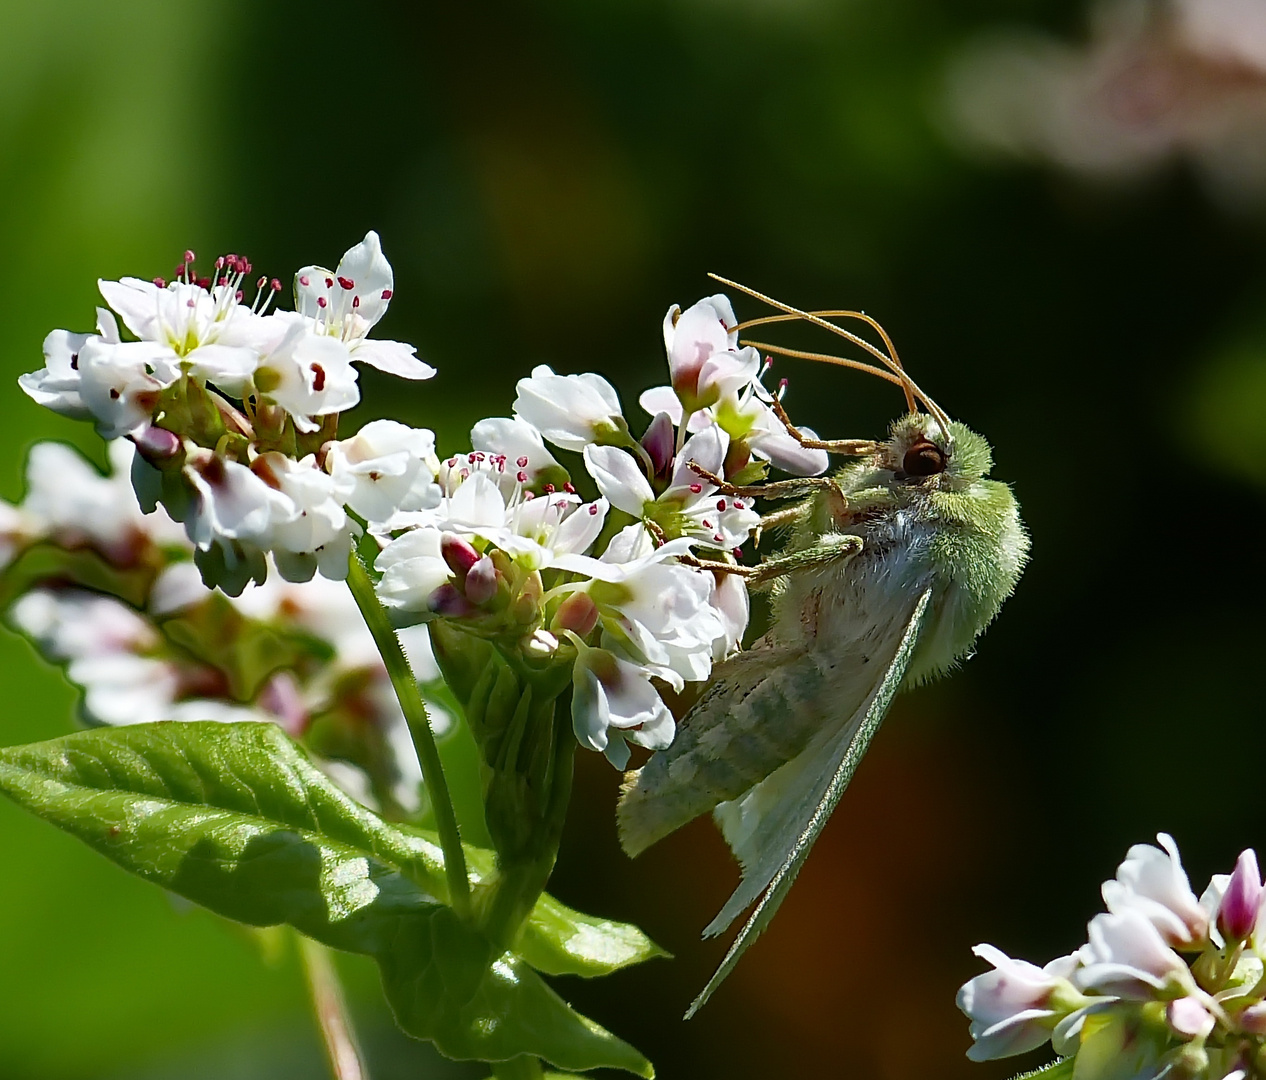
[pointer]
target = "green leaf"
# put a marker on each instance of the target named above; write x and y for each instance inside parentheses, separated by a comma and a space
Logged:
(235, 817)
(559, 941)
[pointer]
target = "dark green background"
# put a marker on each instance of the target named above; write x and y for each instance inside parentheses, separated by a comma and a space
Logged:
(546, 179)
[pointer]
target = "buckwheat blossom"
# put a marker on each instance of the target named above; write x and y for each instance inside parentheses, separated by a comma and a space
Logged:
(705, 362)
(1165, 984)
(307, 374)
(345, 304)
(385, 467)
(690, 505)
(56, 384)
(571, 411)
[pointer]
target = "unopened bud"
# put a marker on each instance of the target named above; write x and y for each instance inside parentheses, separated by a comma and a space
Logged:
(527, 605)
(540, 644)
(449, 603)
(157, 444)
(578, 613)
(1237, 914)
(1253, 1019)
(1189, 1018)
(458, 554)
(659, 441)
(481, 581)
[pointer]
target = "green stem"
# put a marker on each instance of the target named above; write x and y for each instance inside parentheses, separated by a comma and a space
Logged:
(337, 1034)
(524, 1067)
(410, 697)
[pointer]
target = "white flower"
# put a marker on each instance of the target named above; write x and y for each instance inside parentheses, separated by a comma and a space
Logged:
(412, 569)
(704, 361)
(56, 384)
(614, 703)
(120, 384)
(1153, 882)
(386, 466)
(690, 506)
(306, 374)
(730, 601)
(518, 443)
(1014, 1007)
(570, 411)
(315, 530)
(234, 504)
(346, 303)
(1128, 958)
(206, 331)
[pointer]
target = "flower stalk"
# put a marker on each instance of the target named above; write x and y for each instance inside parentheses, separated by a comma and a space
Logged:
(410, 697)
(338, 1036)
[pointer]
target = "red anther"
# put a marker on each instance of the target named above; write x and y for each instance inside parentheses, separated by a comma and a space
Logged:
(261, 283)
(347, 283)
(522, 462)
(223, 281)
(464, 474)
(275, 285)
(561, 505)
(570, 488)
(238, 296)
(191, 303)
(219, 263)
(230, 258)
(245, 266)
(74, 361)
(476, 456)
(190, 257)
(386, 294)
(718, 539)
(318, 378)
(707, 524)
(203, 283)
(329, 283)
(721, 505)
(737, 553)
(723, 326)
(304, 280)
(527, 495)
(160, 283)
(451, 462)
(782, 385)
(355, 302)
(738, 505)
(593, 509)
(549, 489)
(521, 477)
(320, 301)
(696, 488)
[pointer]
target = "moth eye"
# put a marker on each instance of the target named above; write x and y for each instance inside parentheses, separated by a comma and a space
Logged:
(923, 459)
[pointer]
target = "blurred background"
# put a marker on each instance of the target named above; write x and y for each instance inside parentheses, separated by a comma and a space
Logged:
(1058, 212)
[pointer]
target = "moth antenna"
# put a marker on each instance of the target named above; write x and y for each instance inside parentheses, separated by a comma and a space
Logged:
(911, 388)
(828, 358)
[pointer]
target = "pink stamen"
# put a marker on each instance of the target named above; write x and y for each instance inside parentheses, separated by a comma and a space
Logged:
(190, 257)
(355, 302)
(160, 283)
(737, 553)
(549, 489)
(329, 283)
(570, 488)
(347, 283)
(318, 378)
(238, 296)
(275, 285)
(719, 539)
(304, 280)
(321, 301)
(696, 488)
(593, 509)
(386, 294)
(521, 477)
(527, 496)
(707, 524)
(721, 505)
(203, 283)
(522, 462)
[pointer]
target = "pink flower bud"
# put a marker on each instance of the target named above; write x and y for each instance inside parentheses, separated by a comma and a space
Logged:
(481, 582)
(1189, 1018)
(458, 554)
(1252, 1020)
(659, 441)
(1237, 913)
(157, 444)
(578, 613)
(449, 603)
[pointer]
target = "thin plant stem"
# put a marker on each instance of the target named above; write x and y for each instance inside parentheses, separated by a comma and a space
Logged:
(410, 697)
(338, 1037)
(524, 1067)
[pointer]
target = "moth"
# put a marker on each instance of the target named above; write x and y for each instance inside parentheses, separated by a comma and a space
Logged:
(892, 569)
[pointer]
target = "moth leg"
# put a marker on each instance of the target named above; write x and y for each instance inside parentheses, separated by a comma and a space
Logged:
(775, 520)
(845, 447)
(779, 489)
(830, 549)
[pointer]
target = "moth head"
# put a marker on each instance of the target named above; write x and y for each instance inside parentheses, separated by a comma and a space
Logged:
(923, 450)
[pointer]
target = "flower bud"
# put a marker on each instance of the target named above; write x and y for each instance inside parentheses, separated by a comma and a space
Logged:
(578, 613)
(1188, 1017)
(1252, 1020)
(458, 554)
(481, 581)
(540, 644)
(1237, 914)
(527, 605)
(659, 442)
(449, 603)
(157, 445)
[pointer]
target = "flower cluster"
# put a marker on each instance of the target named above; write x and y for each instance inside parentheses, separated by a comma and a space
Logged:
(1168, 982)
(512, 553)
(112, 594)
(234, 407)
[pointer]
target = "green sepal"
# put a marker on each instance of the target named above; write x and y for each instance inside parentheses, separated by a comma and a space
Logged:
(235, 817)
(1059, 1069)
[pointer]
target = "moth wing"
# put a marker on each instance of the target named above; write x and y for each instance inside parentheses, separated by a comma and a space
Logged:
(774, 826)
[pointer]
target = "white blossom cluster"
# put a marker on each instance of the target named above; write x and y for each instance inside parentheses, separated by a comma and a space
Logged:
(1168, 984)
(234, 409)
(513, 553)
(112, 594)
